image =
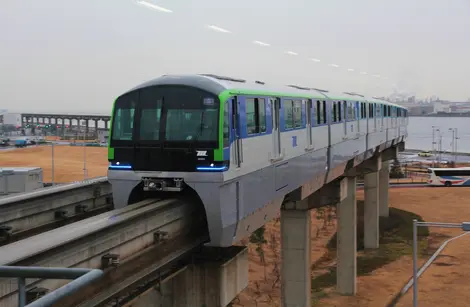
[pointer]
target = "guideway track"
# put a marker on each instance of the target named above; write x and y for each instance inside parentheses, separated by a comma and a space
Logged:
(109, 238)
(30, 213)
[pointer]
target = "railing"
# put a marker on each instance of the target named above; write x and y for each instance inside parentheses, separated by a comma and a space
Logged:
(82, 277)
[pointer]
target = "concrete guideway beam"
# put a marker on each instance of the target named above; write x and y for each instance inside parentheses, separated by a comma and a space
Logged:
(329, 194)
(346, 212)
(384, 186)
(296, 258)
(390, 153)
(371, 165)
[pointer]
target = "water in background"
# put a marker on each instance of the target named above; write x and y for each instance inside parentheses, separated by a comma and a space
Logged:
(420, 132)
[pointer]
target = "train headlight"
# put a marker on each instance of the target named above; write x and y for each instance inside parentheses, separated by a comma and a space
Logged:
(152, 185)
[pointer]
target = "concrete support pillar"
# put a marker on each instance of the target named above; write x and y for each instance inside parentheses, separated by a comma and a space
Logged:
(96, 128)
(296, 258)
(384, 179)
(346, 241)
(371, 210)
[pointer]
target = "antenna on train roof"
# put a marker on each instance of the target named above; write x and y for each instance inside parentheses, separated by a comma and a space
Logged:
(319, 90)
(300, 87)
(353, 94)
(223, 78)
(260, 82)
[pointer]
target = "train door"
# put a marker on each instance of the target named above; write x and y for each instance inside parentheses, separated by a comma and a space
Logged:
(275, 104)
(308, 113)
(237, 150)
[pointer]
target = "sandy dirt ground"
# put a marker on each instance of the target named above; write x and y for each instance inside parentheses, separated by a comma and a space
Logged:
(68, 161)
(444, 284)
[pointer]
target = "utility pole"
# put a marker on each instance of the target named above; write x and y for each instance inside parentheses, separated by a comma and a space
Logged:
(454, 143)
(440, 149)
(52, 162)
(434, 129)
(85, 175)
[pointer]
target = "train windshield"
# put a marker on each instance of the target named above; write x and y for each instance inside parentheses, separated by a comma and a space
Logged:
(123, 120)
(175, 116)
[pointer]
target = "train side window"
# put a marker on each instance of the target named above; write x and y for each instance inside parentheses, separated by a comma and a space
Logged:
(262, 114)
(226, 125)
(297, 113)
(255, 115)
(351, 111)
(324, 111)
(339, 112)
(251, 127)
(288, 114)
(334, 112)
(318, 112)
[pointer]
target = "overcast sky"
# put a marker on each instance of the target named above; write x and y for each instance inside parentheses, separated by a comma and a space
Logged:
(65, 56)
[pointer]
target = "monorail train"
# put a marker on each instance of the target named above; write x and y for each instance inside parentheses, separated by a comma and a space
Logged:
(240, 146)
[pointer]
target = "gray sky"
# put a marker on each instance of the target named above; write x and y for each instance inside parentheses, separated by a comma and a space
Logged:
(59, 55)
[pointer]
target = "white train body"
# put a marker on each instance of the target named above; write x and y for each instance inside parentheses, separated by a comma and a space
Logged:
(241, 146)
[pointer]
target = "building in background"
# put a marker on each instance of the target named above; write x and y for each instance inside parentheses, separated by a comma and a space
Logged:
(13, 119)
(103, 135)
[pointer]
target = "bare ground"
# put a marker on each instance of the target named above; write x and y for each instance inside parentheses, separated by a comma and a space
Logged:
(68, 161)
(444, 284)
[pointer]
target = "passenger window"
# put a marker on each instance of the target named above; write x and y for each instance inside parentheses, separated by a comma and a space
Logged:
(339, 111)
(351, 113)
(297, 114)
(333, 113)
(262, 114)
(255, 115)
(324, 112)
(288, 114)
(318, 112)
(226, 125)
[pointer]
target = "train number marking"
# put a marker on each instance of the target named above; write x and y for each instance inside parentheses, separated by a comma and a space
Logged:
(201, 153)
(294, 141)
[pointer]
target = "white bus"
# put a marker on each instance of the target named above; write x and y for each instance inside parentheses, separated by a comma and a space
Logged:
(449, 176)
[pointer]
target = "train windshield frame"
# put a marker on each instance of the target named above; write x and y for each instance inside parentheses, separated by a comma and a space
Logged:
(123, 124)
(172, 117)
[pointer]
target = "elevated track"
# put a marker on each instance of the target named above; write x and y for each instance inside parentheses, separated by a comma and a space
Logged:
(27, 214)
(119, 241)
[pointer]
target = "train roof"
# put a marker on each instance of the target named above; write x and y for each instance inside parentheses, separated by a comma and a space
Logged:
(218, 84)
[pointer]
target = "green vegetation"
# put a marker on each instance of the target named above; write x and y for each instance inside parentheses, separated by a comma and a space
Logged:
(396, 170)
(396, 239)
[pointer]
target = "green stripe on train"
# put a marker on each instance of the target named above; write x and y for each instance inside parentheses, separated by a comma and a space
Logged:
(110, 149)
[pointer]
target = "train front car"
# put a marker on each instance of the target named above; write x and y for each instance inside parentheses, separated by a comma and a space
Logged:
(165, 140)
